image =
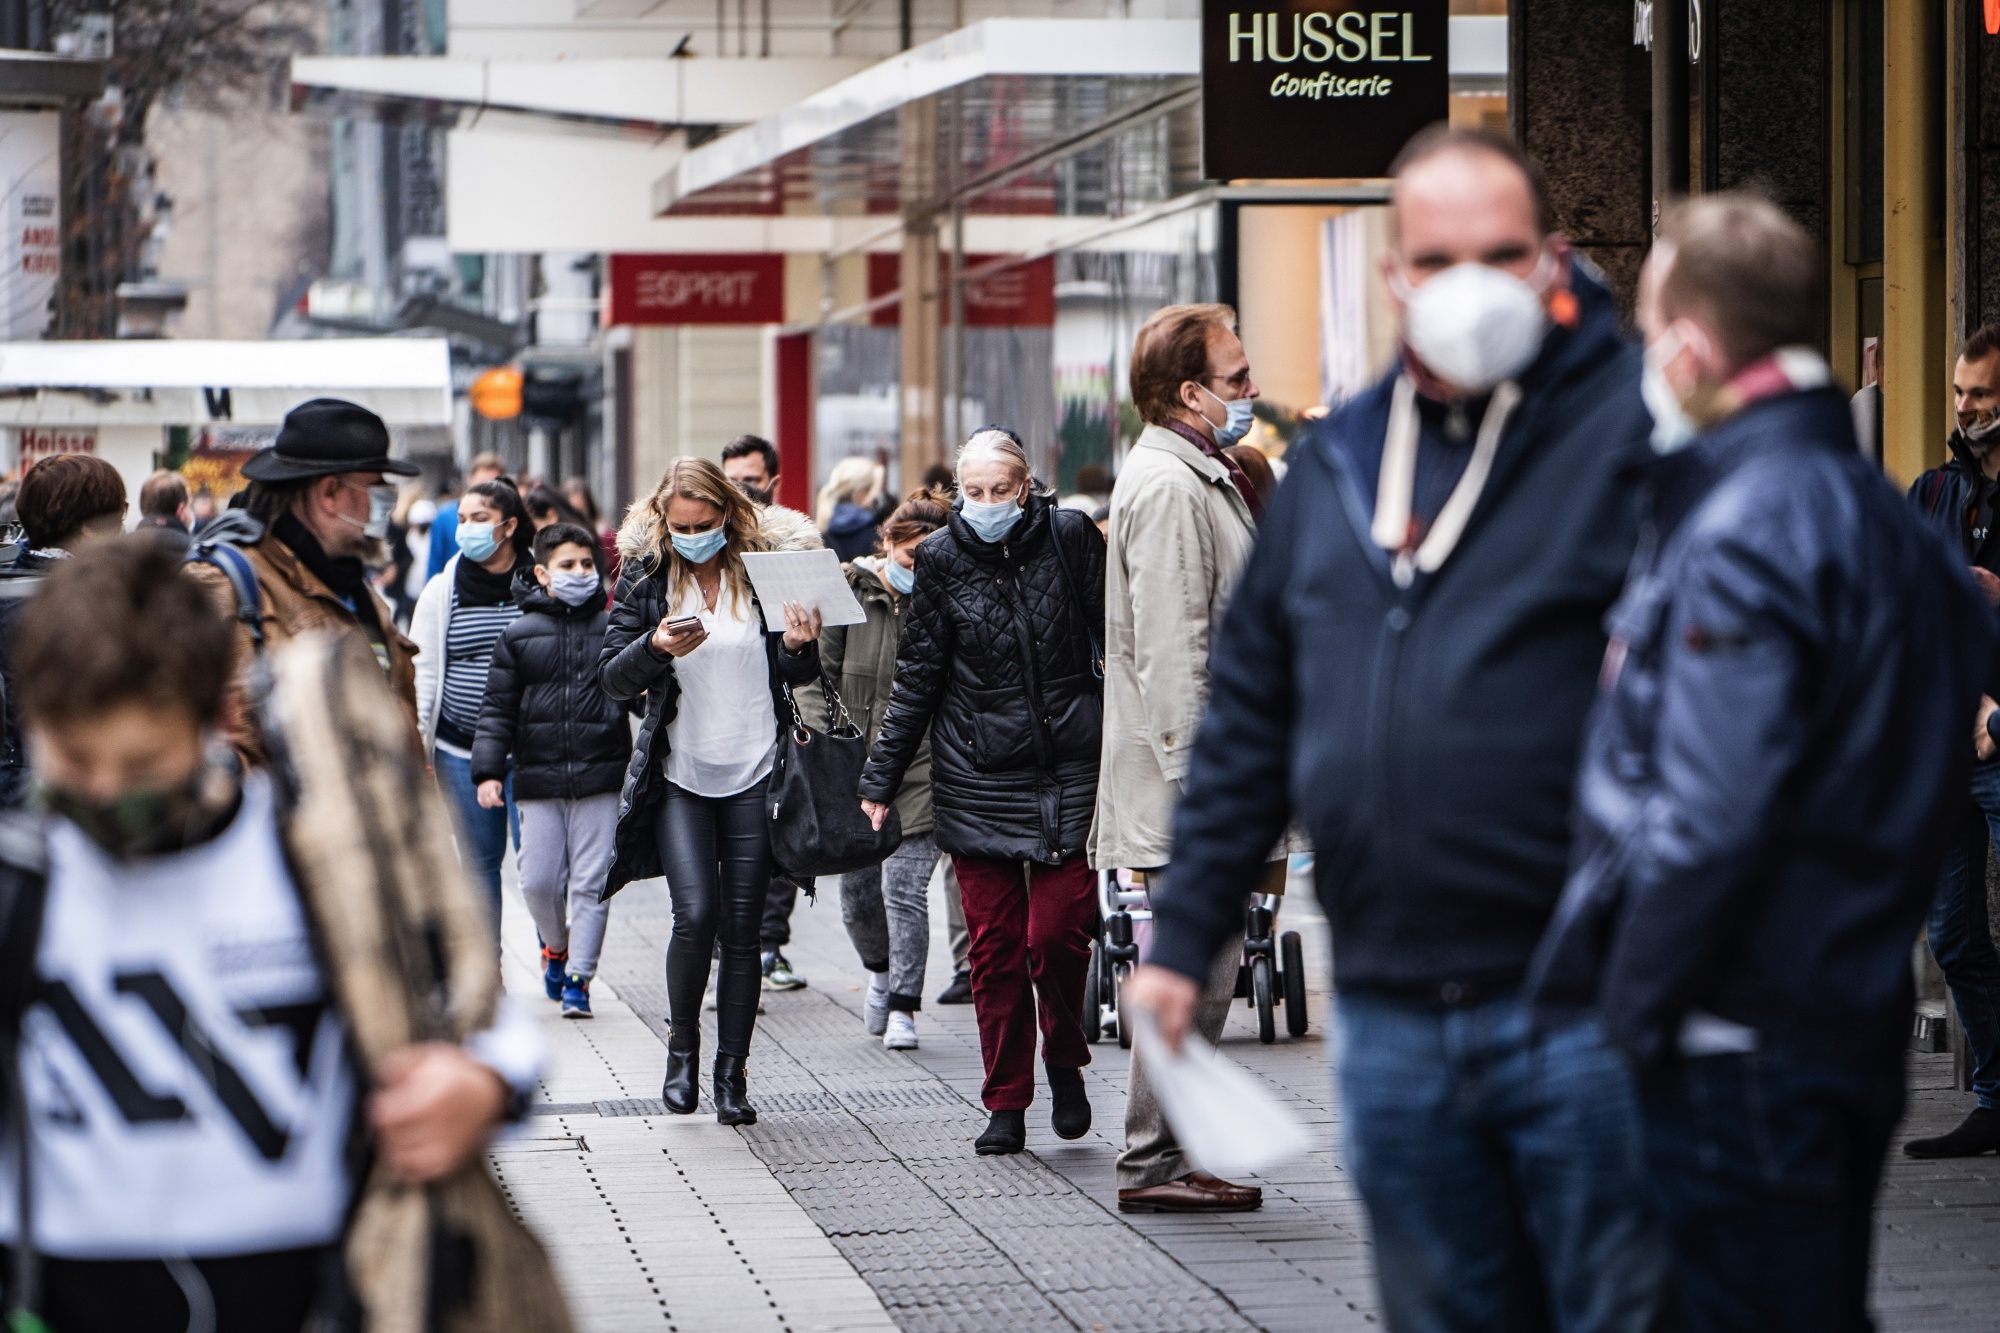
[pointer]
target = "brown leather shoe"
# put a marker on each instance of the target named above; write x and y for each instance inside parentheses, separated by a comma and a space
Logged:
(1195, 1192)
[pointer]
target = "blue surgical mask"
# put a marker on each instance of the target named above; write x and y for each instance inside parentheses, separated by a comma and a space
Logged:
(902, 580)
(700, 547)
(477, 541)
(1241, 412)
(993, 521)
(573, 587)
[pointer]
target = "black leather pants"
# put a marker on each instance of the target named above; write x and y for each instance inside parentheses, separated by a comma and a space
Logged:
(717, 854)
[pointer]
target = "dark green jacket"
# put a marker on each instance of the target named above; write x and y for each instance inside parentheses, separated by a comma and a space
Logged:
(861, 661)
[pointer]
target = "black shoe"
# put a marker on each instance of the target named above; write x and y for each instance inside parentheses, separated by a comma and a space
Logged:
(1006, 1132)
(732, 1096)
(959, 991)
(683, 1070)
(1071, 1116)
(1980, 1133)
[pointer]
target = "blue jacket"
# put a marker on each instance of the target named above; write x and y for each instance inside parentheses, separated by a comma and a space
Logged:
(444, 538)
(1426, 738)
(1774, 766)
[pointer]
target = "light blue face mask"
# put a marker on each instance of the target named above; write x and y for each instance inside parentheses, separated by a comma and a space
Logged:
(477, 541)
(700, 547)
(1673, 428)
(1241, 412)
(991, 522)
(574, 587)
(902, 580)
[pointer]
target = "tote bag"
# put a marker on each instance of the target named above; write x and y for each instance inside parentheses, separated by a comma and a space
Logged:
(814, 802)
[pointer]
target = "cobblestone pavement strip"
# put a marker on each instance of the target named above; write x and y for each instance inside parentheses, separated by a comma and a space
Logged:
(657, 1221)
(856, 1202)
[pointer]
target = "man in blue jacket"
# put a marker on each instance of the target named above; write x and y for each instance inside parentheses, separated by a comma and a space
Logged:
(1408, 663)
(1779, 753)
(1961, 502)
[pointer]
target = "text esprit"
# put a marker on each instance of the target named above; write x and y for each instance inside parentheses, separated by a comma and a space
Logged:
(1319, 37)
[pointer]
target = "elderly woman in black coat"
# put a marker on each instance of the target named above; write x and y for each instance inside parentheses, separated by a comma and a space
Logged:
(999, 664)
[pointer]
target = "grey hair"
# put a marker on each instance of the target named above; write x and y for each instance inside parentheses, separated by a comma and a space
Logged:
(998, 444)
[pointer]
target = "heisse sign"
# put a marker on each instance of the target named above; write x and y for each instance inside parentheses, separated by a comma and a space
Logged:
(1318, 90)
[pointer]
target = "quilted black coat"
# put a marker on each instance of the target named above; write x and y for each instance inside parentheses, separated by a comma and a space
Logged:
(996, 663)
(568, 738)
(630, 667)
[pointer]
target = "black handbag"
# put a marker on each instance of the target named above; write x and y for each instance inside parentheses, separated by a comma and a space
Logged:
(814, 799)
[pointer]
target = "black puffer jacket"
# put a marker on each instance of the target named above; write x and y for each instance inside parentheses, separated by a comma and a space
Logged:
(995, 662)
(568, 738)
(629, 667)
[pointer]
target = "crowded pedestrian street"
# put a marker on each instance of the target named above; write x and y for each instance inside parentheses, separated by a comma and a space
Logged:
(855, 1202)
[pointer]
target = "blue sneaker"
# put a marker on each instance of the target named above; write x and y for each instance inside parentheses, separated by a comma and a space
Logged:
(576, 997)
(552, 971)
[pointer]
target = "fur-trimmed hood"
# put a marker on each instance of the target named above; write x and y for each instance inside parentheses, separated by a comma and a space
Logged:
(640, 540)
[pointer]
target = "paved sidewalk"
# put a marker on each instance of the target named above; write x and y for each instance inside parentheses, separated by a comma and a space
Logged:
(857, 1203)
(658, 1221)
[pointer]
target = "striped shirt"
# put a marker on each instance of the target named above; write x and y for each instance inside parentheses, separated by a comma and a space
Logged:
(470, 633)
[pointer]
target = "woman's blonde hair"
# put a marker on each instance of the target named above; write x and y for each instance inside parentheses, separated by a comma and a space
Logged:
(994, 443)
(698, 479)
(856, 479)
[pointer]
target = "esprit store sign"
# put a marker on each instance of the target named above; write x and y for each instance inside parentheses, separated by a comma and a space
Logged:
(1320, 88)
(1023, 296)
(697, 289)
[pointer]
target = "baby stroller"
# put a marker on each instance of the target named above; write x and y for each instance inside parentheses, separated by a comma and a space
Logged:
(1273, 972)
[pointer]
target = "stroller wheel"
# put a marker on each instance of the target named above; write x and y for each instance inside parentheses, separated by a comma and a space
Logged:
(1093, 996)
(1293, 954)
(1119, 972)
(1261, 993)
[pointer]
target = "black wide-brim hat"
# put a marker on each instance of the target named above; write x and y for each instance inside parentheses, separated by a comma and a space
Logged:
(324, 437)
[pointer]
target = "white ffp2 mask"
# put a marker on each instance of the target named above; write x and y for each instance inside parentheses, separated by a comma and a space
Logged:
(1474, 325)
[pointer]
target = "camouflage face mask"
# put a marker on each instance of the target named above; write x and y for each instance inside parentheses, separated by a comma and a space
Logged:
(152, 821)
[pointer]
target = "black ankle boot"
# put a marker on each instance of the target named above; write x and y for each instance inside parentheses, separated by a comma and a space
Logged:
(1980, 1133)
(1070, 1117)
(1006, 1132)
(732, 1096)
(683, 1070)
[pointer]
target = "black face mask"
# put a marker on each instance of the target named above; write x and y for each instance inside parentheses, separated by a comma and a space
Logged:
(758, 495)
(152, 821)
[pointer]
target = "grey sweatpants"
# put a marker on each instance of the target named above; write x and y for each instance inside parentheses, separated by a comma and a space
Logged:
(886, 909)
(1152, 1155)
(565, 856)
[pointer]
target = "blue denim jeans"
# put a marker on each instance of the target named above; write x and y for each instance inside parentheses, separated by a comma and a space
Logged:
(1960, 939)
(1503, 1175)
(483, 832)
(1764, 1169)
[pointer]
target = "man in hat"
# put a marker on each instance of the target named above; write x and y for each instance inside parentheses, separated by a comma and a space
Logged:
(317, 504)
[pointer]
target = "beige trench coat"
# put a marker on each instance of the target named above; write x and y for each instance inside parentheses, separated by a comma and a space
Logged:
(1180, 534)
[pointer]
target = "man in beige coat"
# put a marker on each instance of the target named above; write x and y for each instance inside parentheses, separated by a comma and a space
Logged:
(1183, 517)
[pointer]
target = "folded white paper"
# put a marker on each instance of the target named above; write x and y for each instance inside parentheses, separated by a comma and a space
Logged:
(813, 579)
(1227, 1122)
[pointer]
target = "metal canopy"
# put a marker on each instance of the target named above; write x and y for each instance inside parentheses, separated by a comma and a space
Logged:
(1001, 91)
(646, 97)
(1002, 117)
(35, 78)
(169, 381)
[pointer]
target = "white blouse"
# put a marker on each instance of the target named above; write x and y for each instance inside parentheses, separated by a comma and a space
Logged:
(724, 735)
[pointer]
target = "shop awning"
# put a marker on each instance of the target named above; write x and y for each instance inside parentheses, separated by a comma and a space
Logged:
(1009, 98)
(649, 96)
(406, 381)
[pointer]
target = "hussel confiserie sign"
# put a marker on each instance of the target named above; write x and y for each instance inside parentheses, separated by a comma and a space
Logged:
(1318, 88)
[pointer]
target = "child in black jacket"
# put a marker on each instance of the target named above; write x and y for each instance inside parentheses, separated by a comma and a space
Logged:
(568, 743)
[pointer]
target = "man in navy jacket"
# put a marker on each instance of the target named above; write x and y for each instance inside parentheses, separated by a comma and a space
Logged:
(1406, 667)
(1779, 753)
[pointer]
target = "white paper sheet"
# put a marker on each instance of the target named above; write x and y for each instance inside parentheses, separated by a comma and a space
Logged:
(1227, 1122)
(810, 578)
